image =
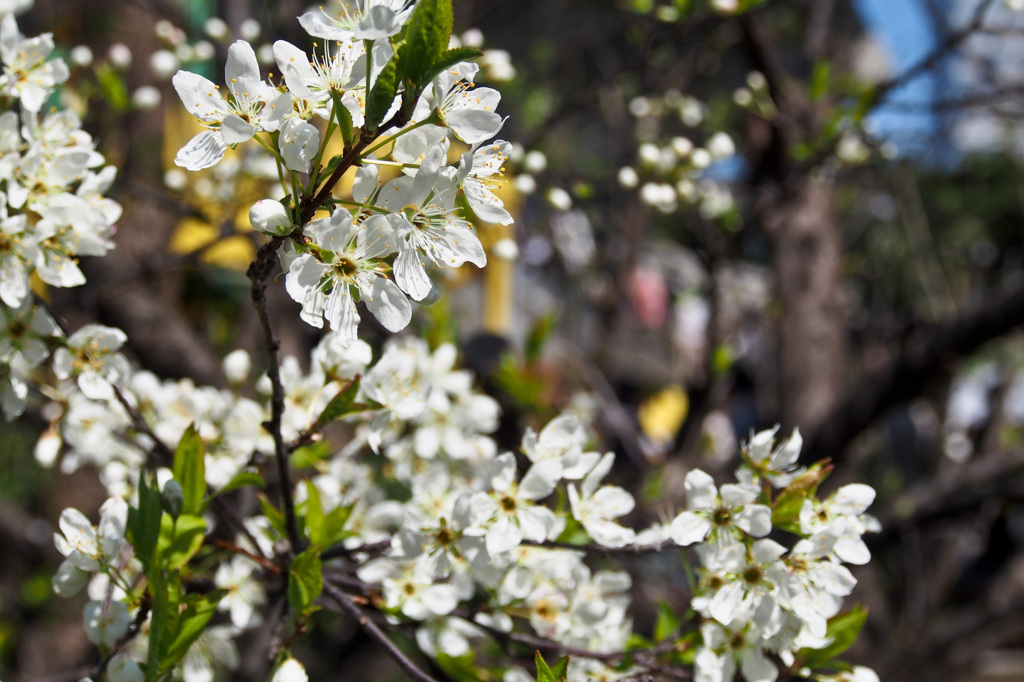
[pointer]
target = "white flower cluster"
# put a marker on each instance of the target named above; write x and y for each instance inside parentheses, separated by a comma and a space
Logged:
(671, 173)
(381, 246)
(473, 524)
(757, 595)
(441, 530)
(52, 207)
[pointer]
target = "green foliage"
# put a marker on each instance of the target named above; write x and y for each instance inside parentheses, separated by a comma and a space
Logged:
(381, 96)
(666, 623)
(450, 58)
(305, 581)
(112, 87)
(190, 470)
(143, 527)
(184, 628)
(179, 539)
(554, 673)
(323, 529)
(425, 39)
(538, 337)
(243, 479)
(344, 118)
(786, 512)
(843, 630)
(344, 402)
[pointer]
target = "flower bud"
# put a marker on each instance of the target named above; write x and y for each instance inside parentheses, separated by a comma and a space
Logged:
(172, 499)
(271, 217)
(237, 365)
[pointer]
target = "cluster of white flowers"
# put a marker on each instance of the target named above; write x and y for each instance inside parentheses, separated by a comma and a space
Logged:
(52, 207)
(439, 528)
(671, 173)
(757, 595)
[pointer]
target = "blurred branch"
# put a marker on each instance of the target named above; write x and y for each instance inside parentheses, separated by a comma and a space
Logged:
(905, 375)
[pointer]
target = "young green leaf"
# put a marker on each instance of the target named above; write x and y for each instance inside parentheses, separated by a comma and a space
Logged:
(381, 96)
(450, 58)
(180, 540)
(191, 622)
(143, 527)
(554, 673)
(340, 405)
(426, 37)
(305, 580)
(190, 469)
(242, 479)
(314, 518)
(842, 630)
(666, 624)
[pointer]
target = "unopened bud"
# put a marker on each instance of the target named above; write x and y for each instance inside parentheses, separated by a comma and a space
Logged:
(172, 499)
(271, 217)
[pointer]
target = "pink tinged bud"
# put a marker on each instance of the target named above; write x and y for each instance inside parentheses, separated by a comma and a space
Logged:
(270, 217)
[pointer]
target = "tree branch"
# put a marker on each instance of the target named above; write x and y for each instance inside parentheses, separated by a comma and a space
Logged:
(344, 601)
(905, 376)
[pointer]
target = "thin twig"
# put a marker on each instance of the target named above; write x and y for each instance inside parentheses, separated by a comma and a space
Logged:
(344, 601)
(340, 550)
(603, 551)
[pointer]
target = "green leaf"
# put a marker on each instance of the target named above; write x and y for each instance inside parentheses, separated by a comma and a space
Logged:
(275, 517)
(343, 116)
(310, 456)
(538, 337)
(820, 80)
(460, 668)
(666, 624)
(333, 529)
(314, 514)
(450, 58)
(561, 668)
(340, 405)
(191, 622)
(242, 479)
(180, 540)
(381, 96)
(786, 511)
(165, 610)
(305, 580)
(546, 673)
(425, 39)
(143, 527)
(190, 469)
(843, 629)
(113, 87)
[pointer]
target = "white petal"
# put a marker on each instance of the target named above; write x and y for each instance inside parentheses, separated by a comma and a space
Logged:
(202, 151)
(756, 520)
(234, 130)
(541, 479)
(700, 491)
(388, 304)
(199, 96)
(242, 68)
(410, 274)
(688, 528)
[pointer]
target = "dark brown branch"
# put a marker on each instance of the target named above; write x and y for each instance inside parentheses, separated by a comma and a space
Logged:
(905, 376)
(344, 601)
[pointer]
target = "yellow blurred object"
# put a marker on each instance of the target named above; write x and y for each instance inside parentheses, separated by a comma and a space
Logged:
(234, 252)
(662, 414)
(192, 234)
